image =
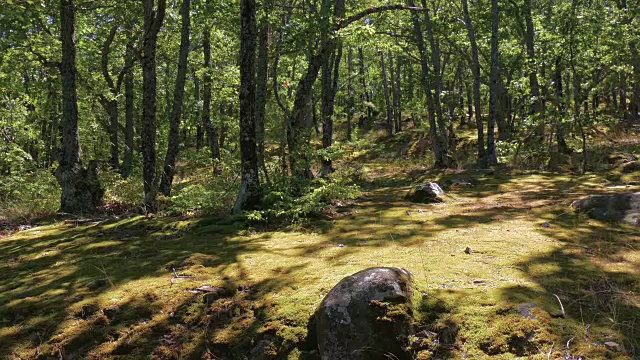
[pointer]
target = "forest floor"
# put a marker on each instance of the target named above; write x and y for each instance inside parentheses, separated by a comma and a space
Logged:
(503, 269)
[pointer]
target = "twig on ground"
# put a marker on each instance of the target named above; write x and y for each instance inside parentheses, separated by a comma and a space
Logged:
(561, 307)
(176, 276)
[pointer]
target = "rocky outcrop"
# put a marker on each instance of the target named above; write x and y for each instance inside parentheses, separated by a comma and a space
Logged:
(427, 193)
(616, 208)
(366, 316)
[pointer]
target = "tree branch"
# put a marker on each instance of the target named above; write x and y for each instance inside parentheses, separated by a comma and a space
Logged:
(374, 10)
(105, 57)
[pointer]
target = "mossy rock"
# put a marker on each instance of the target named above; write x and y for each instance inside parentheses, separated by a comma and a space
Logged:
(367, 315)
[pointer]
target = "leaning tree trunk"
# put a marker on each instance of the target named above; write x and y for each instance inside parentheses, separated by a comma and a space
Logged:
(475, 68)
(152, 23)
(81, 191)
(178, 102)
(248, 196)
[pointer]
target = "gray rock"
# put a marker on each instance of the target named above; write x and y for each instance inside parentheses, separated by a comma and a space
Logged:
(427, 193)
(526, 310)
(617, 207)
(613, 346)
(366, 316)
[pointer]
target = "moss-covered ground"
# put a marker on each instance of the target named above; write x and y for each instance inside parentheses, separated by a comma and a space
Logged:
(503, 269)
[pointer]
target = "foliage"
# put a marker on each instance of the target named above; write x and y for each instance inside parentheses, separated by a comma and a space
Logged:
(290, 200)
(28, 195)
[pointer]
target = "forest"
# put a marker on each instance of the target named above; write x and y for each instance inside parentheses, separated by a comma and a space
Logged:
(197, 179)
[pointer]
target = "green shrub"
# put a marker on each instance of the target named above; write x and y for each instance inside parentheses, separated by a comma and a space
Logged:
(291, 200)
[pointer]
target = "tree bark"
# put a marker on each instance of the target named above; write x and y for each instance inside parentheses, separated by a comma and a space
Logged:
(81, 191)
(173, 146)
(248, 196)
(397, 95)
(152, 22)
(475, 69)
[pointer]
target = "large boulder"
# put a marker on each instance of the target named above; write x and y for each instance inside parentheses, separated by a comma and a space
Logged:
(427, 193)
(366, 316)
(617, 207)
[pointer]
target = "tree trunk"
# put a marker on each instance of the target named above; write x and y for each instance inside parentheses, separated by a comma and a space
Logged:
(537, 105)
(210, 130)
(261, 93)
(330, 75)
(152, 22)
(173, 146)
(351, 100)
(397, 95)
(494, 86)
(367, 113)
(112, 110)
(475, 68)
(248, 196)
(81, 191)
(417, 31)
(127, 162)
(197, 110)
(387, 100)
(437, 87)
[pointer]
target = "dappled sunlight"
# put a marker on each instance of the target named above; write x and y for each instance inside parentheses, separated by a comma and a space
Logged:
(128, 286)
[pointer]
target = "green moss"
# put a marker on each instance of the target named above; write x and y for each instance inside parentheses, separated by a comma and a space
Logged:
(469, 301)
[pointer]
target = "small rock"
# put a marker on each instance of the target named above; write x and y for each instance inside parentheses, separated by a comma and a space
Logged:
(525, 310)
(468, 251)
(87, 311)
(545, 225)
(340, 245)
(427, 193)
(111, 312)
(613, 346)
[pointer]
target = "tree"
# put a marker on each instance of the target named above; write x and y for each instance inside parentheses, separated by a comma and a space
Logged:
(153, 19)
(249, 194)
(475, 69)
(178, 102)
(81, 191)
